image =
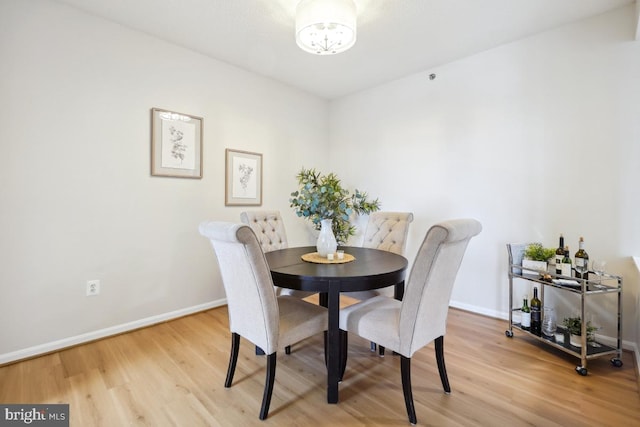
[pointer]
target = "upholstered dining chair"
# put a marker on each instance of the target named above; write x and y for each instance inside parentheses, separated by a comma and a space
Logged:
(255, 312)
(421, 317)
(269, 228)
(386, 231)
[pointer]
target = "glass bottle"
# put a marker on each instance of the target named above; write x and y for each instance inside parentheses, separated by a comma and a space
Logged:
(536, 314)
(566, 263)
(559, 255)
(526, 315)
(582, 261)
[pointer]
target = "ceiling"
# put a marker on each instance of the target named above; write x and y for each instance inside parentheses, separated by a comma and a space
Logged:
(395, 38)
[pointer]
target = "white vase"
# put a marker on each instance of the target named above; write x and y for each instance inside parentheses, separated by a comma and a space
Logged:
(326, 243)
(535, 266)
(575, 340)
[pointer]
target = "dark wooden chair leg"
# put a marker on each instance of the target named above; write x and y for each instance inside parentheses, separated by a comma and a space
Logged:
(441, 368)
(271, 373)
(381, 351)
(344, 350)
(233, 359)
(405, 371)
(287, 350)
(326, 337)
(268, 385)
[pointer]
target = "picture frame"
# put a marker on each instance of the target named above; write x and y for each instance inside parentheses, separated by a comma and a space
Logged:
(176, 144)
(243, 178)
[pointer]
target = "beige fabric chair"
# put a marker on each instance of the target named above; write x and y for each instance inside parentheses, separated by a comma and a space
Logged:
(255, 312)
(269, 228)
(386, 231)
(421, 317)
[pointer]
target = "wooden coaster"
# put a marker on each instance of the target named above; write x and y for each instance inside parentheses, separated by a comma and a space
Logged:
(317, 259)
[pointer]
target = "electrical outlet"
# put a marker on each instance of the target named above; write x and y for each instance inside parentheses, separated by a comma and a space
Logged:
(93, 288)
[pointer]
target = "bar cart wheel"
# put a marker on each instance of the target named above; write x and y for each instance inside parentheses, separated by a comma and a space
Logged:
(509, 334)
(581, 370)
(616, 362)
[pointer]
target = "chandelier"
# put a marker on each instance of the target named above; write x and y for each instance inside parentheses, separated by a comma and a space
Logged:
(325, 27)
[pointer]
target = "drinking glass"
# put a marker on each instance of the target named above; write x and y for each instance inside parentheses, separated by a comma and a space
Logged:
(582, 268)
(549, 322)
(592, 326)
(598, 267)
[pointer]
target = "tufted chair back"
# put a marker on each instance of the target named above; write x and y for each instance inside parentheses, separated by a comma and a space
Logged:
(388, 231)
(269, 228)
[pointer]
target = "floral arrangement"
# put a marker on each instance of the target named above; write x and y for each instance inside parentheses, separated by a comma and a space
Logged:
(322, 197)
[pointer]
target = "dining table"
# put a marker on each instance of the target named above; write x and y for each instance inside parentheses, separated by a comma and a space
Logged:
(361, 269)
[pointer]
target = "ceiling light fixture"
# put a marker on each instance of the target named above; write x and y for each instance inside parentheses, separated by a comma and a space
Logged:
(325, 27)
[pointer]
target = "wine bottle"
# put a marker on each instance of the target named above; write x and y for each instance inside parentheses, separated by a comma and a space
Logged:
(582, 261)
(560, 255)
(526, 316)
(566, 263)
(536, 318)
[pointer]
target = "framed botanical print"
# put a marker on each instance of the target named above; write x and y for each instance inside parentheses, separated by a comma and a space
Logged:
(243, 179)
(176, 144)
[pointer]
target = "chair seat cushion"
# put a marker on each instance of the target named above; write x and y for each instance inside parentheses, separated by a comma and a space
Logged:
(376, 319)
(294, 293)
(362, 295)
(299, 319)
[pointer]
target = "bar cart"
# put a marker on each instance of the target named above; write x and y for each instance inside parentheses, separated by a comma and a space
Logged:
(607, 284)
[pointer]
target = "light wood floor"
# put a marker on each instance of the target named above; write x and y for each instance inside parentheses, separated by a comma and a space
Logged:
(173, 374)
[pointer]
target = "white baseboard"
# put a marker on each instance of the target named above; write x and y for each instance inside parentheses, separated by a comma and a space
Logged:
(106, 332)
(479, 310)
(611, 341)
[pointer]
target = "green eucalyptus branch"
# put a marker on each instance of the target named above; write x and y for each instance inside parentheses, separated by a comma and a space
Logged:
(322, 197)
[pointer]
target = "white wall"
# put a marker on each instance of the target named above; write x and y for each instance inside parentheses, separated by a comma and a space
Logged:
(535, 138)
(77, 198)
(77, 201)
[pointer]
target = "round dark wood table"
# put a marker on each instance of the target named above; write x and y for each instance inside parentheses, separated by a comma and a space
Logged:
(371, 269)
